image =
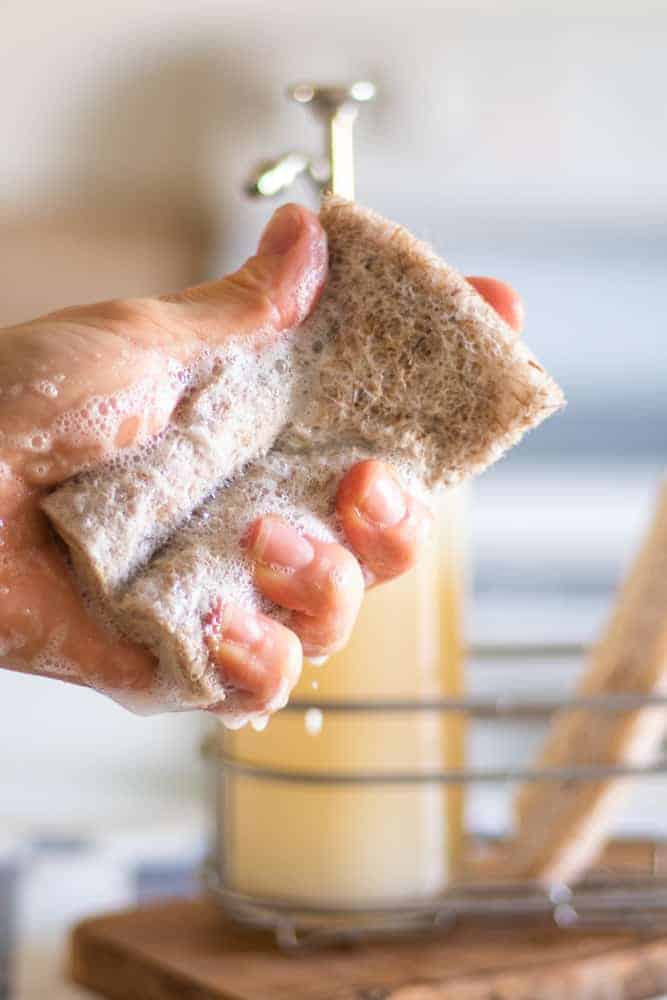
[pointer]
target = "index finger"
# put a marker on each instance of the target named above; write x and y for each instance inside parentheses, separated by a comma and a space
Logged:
(503, 298)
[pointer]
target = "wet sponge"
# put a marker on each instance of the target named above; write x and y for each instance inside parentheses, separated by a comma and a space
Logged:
(402, 359)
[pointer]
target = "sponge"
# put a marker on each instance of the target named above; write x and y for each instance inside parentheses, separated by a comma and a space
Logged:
(402, 360)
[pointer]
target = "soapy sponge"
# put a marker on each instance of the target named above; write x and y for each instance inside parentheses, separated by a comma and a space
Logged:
(402, 359)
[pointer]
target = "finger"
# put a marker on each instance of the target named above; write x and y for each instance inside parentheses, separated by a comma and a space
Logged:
(503, 298)
(273, 290)
(383, 522)
(256, 657)
(320, 582)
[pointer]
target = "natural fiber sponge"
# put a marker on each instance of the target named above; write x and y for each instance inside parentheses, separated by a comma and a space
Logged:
(402, 359)
(415, 362)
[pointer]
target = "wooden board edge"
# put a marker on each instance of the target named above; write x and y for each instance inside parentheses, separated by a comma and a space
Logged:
(117, 973)
(631, 969)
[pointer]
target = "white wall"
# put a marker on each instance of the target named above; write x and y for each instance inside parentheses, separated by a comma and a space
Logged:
(495, 107)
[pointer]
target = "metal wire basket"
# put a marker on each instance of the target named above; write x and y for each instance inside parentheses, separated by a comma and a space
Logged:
(627, 888)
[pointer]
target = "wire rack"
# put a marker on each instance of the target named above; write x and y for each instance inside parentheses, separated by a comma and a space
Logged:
(623, 892)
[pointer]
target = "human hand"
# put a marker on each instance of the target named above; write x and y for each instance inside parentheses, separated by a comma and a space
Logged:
(61, 377)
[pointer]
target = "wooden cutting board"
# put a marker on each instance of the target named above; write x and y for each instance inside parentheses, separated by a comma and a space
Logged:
(185, 950)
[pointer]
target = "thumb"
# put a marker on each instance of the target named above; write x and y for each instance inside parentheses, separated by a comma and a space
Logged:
(125, 349)
(273, 290)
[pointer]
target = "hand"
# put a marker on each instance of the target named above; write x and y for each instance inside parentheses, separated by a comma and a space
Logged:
(59, 376)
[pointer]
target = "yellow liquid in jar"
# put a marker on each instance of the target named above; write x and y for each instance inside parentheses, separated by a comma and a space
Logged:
(375, 843)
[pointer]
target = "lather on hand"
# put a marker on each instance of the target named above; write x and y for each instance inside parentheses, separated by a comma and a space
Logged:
(56, 370)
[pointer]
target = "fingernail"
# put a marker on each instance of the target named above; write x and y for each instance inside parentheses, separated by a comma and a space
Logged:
(278, 544)
(281, 233)
(384, 503)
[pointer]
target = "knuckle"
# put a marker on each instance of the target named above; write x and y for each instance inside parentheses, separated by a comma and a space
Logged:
(253, 286)
(129, 311)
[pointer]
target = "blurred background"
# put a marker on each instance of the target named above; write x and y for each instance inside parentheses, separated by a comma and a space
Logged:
(522, 142)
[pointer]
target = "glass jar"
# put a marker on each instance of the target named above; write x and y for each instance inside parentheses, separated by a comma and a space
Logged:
(318, 811)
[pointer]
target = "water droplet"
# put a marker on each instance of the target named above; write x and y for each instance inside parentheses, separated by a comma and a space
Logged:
(313, 721)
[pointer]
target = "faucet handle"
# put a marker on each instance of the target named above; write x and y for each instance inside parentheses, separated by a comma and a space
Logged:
(337, 107)
(330, 100)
